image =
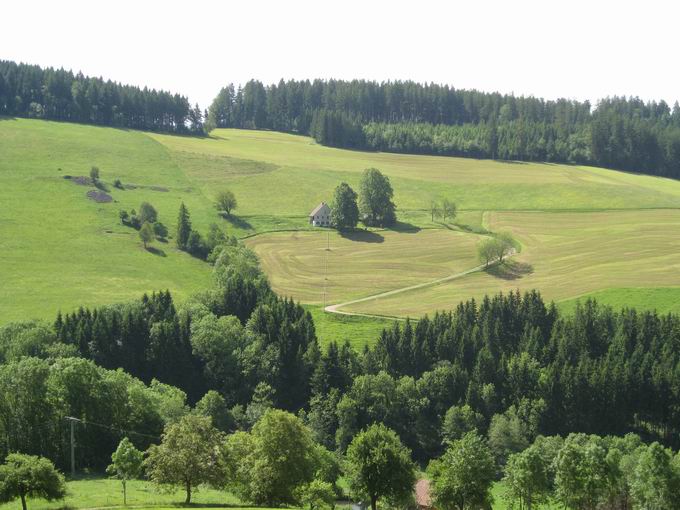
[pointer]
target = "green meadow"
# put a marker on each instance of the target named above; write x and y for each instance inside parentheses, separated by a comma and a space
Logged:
(584, 231)
(92, 492)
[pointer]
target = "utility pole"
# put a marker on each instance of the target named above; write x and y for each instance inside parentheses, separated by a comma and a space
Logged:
(325, 272)
(73, 421)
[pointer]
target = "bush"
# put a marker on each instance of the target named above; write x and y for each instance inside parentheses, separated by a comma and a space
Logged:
(147, 213)
(160, 230)
(118, 184)
(196, 246)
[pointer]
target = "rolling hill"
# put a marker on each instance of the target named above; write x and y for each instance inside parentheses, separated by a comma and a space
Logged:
(583, 230)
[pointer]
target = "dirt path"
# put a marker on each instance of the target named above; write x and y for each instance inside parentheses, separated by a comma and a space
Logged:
(336, 308)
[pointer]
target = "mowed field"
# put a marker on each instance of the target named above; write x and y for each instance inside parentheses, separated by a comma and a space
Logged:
(583, 230)
(567, 256)
(306, 265)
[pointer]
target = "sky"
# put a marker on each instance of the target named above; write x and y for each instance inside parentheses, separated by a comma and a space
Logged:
(551, 48)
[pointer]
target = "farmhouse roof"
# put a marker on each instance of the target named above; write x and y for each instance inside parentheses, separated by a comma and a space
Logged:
(318, 208)
(423, 493)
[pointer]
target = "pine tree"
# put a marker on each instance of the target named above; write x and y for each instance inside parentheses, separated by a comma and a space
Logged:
(183, 227)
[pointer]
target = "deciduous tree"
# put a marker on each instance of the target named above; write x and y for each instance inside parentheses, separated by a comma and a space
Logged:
(23, 476)
(190, 454)
(379, 466)
(344, 209)
(375, 199)
(226, 201)
(462, 477)
(126, 464)
(146, 234)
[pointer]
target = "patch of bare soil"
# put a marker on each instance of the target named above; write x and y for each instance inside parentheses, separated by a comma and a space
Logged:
(99, 196)
(152, 188)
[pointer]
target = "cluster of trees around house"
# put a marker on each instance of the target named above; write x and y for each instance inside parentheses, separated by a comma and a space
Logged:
(375, 207)
(31, 91)
(623, 133)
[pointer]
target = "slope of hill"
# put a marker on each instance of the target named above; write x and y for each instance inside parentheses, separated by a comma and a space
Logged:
(61, 249)
(583, 229)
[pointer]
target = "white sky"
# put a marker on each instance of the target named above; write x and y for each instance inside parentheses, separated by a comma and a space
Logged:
(550, 48)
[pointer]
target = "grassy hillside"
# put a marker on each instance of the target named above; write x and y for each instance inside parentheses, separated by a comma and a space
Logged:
(582, 229)
(61, 249)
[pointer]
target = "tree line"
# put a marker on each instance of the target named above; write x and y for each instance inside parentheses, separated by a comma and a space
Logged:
(623, 133)
(56, 94)
(510, 367)
(279, 463)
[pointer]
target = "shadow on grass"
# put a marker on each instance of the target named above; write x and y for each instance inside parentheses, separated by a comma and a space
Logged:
(512, 161)
(405, 228)
(468, 228)
(237, 222)
(362, 236)
(156, 251)
(100, 185)
(510, 270)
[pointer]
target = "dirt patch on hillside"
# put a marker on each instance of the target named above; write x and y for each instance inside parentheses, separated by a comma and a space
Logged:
(99, 196)
(152, 188)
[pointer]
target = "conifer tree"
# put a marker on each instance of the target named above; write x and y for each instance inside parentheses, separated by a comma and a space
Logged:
(183, 227)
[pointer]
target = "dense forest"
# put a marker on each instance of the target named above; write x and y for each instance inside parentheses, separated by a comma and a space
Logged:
(622, 133)
(31, 91)
(507, 366)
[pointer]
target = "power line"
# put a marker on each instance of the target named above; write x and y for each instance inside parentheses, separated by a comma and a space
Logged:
(72, 421)
(109, 427)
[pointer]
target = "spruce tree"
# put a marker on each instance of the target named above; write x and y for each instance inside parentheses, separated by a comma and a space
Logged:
(183, 227)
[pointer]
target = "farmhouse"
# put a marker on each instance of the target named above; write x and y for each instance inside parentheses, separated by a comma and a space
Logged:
(321, 215)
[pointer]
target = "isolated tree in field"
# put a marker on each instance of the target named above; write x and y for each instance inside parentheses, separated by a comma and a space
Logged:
(463, 476)
(190, 454)
(23, 476)
(316, 495)
(124, 216)
(183, 227)
(505, 245)
(435, 210)
(146, 234)
(487, 251)
(94, 174)
(448, 210)
(126, 464)
(344, 211)
(226, 201)
(375, 199)
(147, 213)
(379, 466)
